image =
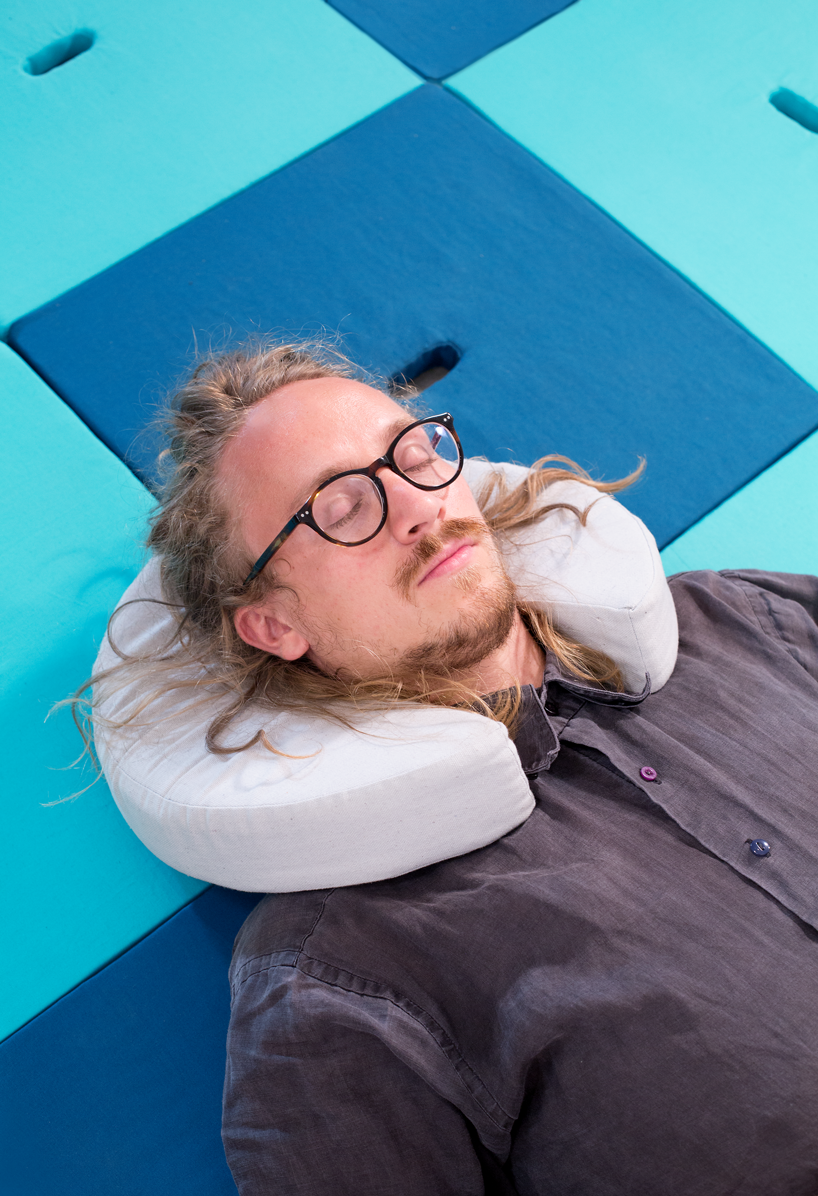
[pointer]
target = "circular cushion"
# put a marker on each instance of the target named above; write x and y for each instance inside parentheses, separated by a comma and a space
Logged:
(406, 787)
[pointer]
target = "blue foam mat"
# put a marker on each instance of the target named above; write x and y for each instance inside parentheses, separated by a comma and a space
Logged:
(116, 1089)
(425, 225)
(171, 108)
(438, 37)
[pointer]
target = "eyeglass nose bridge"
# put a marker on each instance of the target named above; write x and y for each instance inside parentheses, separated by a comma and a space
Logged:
(384, 462)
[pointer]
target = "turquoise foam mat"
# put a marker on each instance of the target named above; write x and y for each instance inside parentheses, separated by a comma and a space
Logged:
(661, 114)
(171, 109)
(77, 885)
(771, 523)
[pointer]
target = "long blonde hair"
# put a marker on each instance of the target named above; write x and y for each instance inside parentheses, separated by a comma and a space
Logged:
(204, 564)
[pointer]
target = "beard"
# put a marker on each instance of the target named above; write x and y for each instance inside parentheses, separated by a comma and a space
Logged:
(475, 632)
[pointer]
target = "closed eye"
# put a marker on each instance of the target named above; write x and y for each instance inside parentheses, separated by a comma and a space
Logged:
(352, 514)
(419, 466)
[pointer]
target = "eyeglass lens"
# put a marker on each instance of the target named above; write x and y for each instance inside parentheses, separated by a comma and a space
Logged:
(349, 509)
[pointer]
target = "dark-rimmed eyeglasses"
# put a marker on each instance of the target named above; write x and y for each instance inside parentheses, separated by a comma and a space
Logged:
(350, 508)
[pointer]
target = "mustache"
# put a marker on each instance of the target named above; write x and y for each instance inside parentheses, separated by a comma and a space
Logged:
(430, 545)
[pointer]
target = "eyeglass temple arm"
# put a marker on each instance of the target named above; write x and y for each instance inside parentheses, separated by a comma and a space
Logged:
(271, 549)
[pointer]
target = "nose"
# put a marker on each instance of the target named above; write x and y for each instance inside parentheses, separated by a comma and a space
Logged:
(411, 513)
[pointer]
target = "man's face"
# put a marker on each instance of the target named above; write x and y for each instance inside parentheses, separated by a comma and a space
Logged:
(430, 582)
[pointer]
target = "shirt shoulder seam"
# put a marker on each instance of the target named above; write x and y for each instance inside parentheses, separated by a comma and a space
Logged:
(354, 984)
(752, 592)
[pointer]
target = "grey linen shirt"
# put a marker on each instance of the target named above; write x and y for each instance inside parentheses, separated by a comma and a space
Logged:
(618, 997)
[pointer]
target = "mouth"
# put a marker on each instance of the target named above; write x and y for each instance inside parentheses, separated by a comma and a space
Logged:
(449, 560)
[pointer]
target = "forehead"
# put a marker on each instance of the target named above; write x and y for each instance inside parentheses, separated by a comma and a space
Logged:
(304, 430)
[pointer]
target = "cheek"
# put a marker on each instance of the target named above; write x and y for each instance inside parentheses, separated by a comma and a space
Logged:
(341, 585)
(462, 504)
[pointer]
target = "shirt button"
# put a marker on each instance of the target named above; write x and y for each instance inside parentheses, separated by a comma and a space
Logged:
(647, 773)
(760, 847)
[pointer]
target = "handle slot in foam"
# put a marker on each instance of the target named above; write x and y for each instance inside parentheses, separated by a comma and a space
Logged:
(427, 369)
(59, 52)
(796, 108)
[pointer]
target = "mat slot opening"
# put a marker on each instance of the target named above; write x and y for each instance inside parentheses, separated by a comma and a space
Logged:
(59, 52)
(427, 369)
(796, 108)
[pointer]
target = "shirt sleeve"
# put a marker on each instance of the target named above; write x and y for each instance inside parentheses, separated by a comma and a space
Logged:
(318, 1103)
(786, 605)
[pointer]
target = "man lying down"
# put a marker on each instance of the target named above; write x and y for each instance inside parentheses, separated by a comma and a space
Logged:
(619, 996)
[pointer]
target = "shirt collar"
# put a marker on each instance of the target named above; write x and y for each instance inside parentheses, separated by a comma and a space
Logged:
(543, 716)
(556, 673)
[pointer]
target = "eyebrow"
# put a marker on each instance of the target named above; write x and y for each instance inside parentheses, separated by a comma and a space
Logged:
(321, 479)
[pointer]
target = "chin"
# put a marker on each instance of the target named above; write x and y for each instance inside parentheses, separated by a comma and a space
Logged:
(477, 628)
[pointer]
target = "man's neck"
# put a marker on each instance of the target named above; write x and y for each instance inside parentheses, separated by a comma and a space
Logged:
(520, 660)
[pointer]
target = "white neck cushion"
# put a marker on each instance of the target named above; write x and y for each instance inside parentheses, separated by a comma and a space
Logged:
(407, 787)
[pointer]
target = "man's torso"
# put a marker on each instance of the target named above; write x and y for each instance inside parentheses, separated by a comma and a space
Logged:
(617, 997)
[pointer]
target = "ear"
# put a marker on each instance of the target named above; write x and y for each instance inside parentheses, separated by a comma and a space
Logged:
(264, 630)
